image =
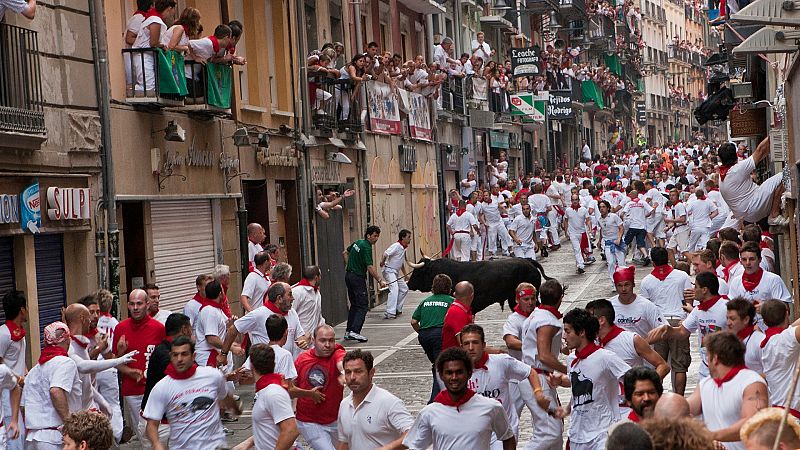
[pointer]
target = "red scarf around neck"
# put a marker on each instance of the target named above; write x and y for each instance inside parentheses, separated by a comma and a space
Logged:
(707, 304)
(745, 332)
(522, 313)
(91, 333)
(769, 332)
(274, 308)
(633, 417)
(50, 352)
(614, 332)
(307, 283)
(80, 343)
(662, 272)
(446, 399)
(151, 12)
(750, 281)
(173, 373)
(552, 309)
(584, 353)
(460, 211)
(481, 364)
(17, 332)
(723, 171)
(214, 43)
(266, 380)
(726, 271)
(729, 376)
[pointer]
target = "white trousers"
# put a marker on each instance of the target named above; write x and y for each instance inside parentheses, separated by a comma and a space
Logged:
(554, 219)
(575, 240)
(36, 445)
(319, 437)
(397, 291)
(598, 443)
(108, 386)
(497, 230)
(145, 74)
(614, 259)
(698, 239)
(461, 246)
(547, 430)
(133, 406)
(525, 251)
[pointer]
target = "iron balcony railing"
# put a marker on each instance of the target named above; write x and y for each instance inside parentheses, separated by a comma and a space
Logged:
(453, 95)
(21, 108)
(335, 105)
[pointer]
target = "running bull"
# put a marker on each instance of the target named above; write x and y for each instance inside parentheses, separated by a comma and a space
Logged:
(494, 280)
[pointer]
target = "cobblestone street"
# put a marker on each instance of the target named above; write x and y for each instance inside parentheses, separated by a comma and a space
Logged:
(403, 369)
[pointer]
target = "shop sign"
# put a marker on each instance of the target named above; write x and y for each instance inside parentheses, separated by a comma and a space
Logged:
(748, 123)
(325, 172)
(498, 139)
(530, 105)
(525, 61)
(31, 209)
(560, 107)
(68, 203)
(9, 208)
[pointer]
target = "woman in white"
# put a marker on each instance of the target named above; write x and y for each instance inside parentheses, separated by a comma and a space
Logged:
(610, 237)
(152, 34)
(131, 31)
(355, 72)
(185, 28)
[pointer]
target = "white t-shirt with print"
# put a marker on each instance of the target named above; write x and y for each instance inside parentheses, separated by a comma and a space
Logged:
(640, 316)
(191, 408)
(271, 408)
(635, 213)
(493, 382)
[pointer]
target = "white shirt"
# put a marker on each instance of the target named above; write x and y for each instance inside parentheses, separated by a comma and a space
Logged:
(162, 315)
(722, 406)
(440, 56)
(395, 257)
(539, 203)
(255, 287)
(493, 380)
(657, 202)
(752, 354)
(60, 372)
(586, 152)
(707, 322)
(191, 408)
(202, 48)
(524, 228)
(143, 38)
(191, 309)
(719, 202)
(735, 271)
(491, 212)
(737, 188)
(640, 316)
(779, 361)
(635, 212)
(270, 409)
(13, 353)
(465, 191)
(469, 426)
(674, 212)
(595, 394)
(699, 214)
(576, 220)
(613, 197)
(513, 327)
(624, 346)
(380, 419)
(530, 352)
(667, 294)
(14, 5)
(771, 287)
(253, 249)
(210, 322)
(464, 222)
(308, 306)
(609, 226)
(134, 22)
(483, 50)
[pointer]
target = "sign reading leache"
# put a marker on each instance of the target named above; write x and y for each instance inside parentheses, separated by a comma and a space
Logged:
(525, 61)
(68, 203)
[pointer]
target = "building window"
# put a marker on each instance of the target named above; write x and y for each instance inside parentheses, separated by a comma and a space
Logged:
(20, 81)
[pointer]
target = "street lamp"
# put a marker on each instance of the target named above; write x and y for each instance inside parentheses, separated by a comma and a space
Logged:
(554, 26)
(502, 5)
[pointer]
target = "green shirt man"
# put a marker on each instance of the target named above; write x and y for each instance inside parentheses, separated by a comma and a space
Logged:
(359, 257)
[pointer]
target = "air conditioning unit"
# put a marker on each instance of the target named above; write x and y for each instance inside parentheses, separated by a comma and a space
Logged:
(779, 145)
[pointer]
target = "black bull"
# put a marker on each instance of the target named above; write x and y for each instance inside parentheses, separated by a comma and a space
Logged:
(494, 281)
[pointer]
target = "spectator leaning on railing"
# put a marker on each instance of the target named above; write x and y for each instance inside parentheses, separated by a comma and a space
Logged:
(25, 7)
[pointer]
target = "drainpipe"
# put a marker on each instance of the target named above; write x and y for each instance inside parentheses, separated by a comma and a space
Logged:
(102, 87)
(301, 125)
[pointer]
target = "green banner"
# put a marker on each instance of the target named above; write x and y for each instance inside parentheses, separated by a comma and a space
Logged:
(171, 77)
(219, 81)
(592, 93)
(612, 62)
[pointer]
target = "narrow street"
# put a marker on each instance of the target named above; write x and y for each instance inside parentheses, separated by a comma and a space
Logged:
(403, 369)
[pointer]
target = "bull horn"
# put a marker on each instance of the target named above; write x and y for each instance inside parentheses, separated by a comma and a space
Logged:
(416, 265)
(422, 253)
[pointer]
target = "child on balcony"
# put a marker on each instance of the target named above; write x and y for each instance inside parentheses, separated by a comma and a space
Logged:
(152, 34)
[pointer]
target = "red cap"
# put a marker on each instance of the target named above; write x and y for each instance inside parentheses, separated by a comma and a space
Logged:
(624, 274)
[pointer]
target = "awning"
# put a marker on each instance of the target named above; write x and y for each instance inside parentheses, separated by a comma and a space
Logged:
(424, 6)
(497, 22)
(767, 12)
(765, 41)
(592, 93)
(355, 145)
(612, 62)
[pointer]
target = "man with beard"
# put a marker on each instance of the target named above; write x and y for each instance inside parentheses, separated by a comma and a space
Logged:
(642, 386)
(458, 418)
(153, 299)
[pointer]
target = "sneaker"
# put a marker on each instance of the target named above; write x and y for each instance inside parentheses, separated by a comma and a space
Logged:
(358, 337)
(646, 261)
(348, 335)
(778, 221)
(227, 431)
(227, 416)
(387, 316)
(603, 256)
(544, 252)
(581, 270)
(590, 260)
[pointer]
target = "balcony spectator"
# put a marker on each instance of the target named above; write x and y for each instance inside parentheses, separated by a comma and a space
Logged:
(418, 79)
(227, 54)
(372, 51)
(152, 34)
(202, 50)
(25, 7)
(474, 65)
(442, 52)
(143, 8)
(185, 28)
(458, 69)
(317, 74)
(482, 48)
(354, 71)
(380, 72)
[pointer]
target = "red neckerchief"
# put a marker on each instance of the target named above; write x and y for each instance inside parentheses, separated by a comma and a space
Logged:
(763, 244)
(151, 12)
(460, 211)
(270, 378)
(769, 332)
(745, 332)
(91, 333)
(519, 311)
(446, 399)
(575, 207)
(707, 304)
(481, 364)
(614, 332)
(185, 30)
(590, 348)
(726, 271)
(172, 373)
(209, 302)
(723, 171)
(633, 417)
(16, 331)
(274, 308)
(552, 309)
(750, 281)
(403, 245)
(50, 352)
(230, 49)
(729, 376)
(214, 43)
(714, 189)
(662, 272)
(305, 282)
(140, 12)
(80, 343)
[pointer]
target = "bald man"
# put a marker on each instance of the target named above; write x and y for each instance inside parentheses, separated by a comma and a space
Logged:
(458, 315)
(671, 406)
(141, 333)
(78, 319)
(255, 236)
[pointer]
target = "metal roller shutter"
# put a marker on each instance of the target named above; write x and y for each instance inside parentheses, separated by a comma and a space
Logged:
(7, 282)
(183, 247)
(50, 286)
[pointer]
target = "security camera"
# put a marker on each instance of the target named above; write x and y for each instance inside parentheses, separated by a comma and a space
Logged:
(339, 157)
(174, 132)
